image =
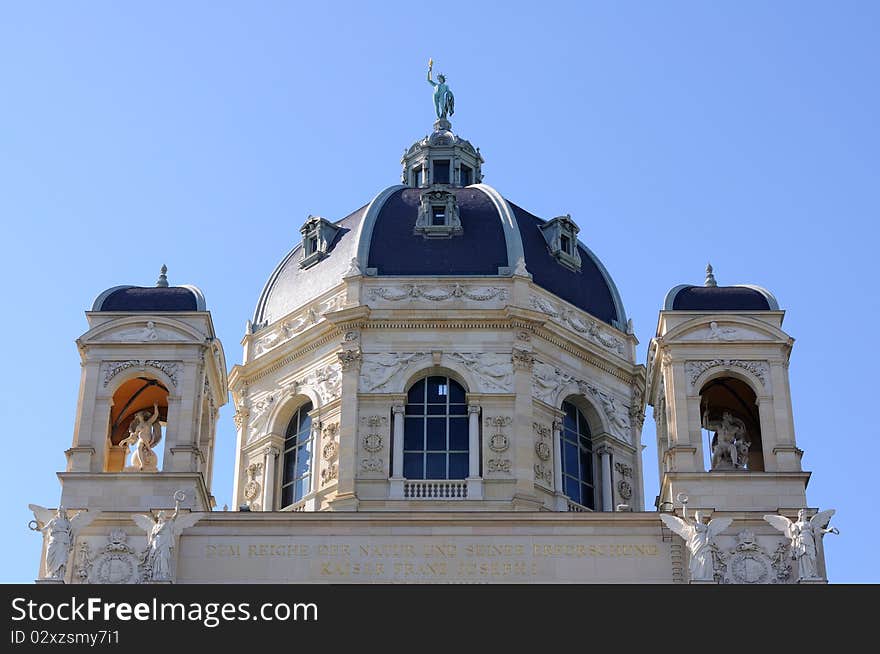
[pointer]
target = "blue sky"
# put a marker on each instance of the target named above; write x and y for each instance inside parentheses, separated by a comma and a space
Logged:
(202, 135)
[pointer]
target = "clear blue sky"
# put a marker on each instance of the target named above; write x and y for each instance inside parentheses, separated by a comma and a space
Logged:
(201, 135)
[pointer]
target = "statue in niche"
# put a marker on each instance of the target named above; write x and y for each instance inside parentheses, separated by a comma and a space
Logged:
(698, 537)
(60, 531)
(730, 446)
(444, 101)
(803, 536)
(162, 536)
(144, 433)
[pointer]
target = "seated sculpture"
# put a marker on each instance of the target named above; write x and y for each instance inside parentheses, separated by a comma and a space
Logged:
(730, 446)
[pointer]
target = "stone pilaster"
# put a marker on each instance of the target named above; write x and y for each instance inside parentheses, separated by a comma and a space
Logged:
(346, 498)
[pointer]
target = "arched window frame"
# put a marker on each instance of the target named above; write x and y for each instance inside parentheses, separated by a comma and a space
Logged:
(576, 449)
(422, 434)
(297, 473)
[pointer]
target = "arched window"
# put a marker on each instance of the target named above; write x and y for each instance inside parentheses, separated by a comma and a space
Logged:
(577, 457)
(296, 482)
(435, 441)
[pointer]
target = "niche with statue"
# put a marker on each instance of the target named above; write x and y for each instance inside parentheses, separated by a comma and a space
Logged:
(730, 413)
(138, 415)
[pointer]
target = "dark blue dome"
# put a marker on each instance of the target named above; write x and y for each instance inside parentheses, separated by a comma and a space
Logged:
(720, 298)
(480, 250)
(382, 237)
(150, 298)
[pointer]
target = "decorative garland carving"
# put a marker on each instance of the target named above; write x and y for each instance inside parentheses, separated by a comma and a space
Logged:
(693, 369)
(498, 442)
(310, 316)
(570, 318)
(252, 488)
(499, 465)
(329, 473)
(170, 368)
(543, 438)
(372, 442)
(438, 293)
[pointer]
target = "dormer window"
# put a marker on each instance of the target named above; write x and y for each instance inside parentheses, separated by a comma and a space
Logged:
(438, 214)
(565, 244)
(318, 234)
(417, 177)
(561, 236)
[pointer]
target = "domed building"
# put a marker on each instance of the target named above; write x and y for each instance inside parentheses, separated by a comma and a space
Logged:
(440, 386)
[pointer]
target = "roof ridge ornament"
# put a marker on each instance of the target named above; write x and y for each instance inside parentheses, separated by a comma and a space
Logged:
(162, 282)
(710, 276)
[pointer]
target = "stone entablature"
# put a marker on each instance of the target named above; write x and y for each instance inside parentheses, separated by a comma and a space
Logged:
(439, 547)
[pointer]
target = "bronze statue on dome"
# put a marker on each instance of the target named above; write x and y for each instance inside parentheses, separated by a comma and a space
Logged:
(444, 101)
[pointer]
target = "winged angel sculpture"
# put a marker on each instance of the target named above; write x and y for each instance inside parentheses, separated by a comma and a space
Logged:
(162, 533)
(698, 537)
(803, 536)
(60, 531)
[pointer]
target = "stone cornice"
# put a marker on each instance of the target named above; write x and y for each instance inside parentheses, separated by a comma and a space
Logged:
(362, 318)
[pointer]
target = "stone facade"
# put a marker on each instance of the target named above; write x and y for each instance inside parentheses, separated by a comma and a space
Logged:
(541, 376)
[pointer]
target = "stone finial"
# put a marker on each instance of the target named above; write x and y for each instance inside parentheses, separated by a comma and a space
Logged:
(162, 282)
(710, 276)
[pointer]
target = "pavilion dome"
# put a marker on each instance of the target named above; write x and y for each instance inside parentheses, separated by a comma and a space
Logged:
(486, 236)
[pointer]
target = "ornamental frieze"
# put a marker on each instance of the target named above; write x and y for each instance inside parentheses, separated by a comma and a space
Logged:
(170, 368)
(570, 318)
(443, 293)
(693, 369)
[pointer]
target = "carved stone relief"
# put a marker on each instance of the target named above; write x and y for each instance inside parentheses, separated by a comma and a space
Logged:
(379, 369)
(326, 382)
(543, 450)
(170, 368)
(494, 371)
(252, 488)
(115, 563)
(522, 359)
(149, 332)
(349, 359)
(308, 317)
(372, 443)
(258, 417)
(498, 442)
(547, 380)
(693, 369)
(583, 325)
(412, 292)
(617, 414)
(750, 563)
(329, 451)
